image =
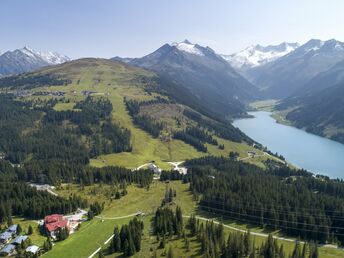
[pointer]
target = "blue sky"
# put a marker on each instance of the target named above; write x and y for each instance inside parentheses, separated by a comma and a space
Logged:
(106, 28)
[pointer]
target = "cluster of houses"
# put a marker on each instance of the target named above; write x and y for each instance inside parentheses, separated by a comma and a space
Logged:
(10, 240)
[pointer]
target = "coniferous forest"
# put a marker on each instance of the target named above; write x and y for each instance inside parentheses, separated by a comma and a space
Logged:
(61, 135)
(295, 201)
(41, 145)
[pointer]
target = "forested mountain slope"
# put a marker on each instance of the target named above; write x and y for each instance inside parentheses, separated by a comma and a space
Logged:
(104, 113)
(319, 112)
(202, 72)
(285, 76)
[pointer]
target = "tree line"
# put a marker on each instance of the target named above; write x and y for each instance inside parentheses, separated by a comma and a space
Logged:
(144, 121)
(195, 137)
(220, 128)
(31, 80)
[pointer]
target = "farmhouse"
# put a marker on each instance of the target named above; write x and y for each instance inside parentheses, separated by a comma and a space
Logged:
(12, 229)
(5, 237)
(19, 239)
(55, 222)
(8, 250)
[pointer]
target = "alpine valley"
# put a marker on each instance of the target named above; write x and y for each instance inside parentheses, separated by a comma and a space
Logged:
(139, 157)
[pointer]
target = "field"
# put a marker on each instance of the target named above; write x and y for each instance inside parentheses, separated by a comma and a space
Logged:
(266, 105)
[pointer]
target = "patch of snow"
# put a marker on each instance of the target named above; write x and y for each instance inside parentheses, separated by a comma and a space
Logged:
(28, 54)
(257, 55)
(188, 47)
(53, 57)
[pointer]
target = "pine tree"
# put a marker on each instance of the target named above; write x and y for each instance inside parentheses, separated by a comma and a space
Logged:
(170, 195)
(303, 255)
(116, 240)
(100, 253)
(9, 220)
(30, 230)
(297, 250)
(19, 229)
(247, 242)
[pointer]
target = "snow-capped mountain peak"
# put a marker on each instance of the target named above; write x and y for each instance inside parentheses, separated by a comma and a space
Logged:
(27, 51)
(188, 47)
(53, 57)
(324, 46)
(257, 55)
(26, 59)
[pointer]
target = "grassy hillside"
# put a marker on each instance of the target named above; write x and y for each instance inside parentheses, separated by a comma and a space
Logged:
(117, 81)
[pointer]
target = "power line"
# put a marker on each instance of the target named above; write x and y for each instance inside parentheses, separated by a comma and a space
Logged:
(309, 209)
(281, 226)
(251, 207)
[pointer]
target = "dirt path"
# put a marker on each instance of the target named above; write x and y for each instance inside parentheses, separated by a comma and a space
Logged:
(122, 217)
(245, 231)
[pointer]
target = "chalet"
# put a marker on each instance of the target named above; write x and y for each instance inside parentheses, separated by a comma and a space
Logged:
(33, 249)
(55, 222)
(12, 229)
(5, 237)
(8, 250)
(154, 168)
(19, 239)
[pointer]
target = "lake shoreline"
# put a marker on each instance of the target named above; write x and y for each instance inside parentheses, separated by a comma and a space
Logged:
(315, 153)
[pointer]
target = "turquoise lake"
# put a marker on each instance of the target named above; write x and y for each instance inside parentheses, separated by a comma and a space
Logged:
(314, 153)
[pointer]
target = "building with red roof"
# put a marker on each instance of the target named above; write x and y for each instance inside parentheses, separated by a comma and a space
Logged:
(55, 222)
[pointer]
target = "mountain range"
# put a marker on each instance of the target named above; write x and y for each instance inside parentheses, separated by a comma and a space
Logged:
(204, 73)
(27, 59)
(286, 75)
(301, 76)
(257, 55)
(318, 107)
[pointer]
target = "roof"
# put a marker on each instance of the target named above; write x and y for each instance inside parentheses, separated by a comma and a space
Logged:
(5, 236)
(8, 249)
(13, 228)
(56, 225)
(32, 249)
(53, 218)
(19, 239)
(55, 221)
